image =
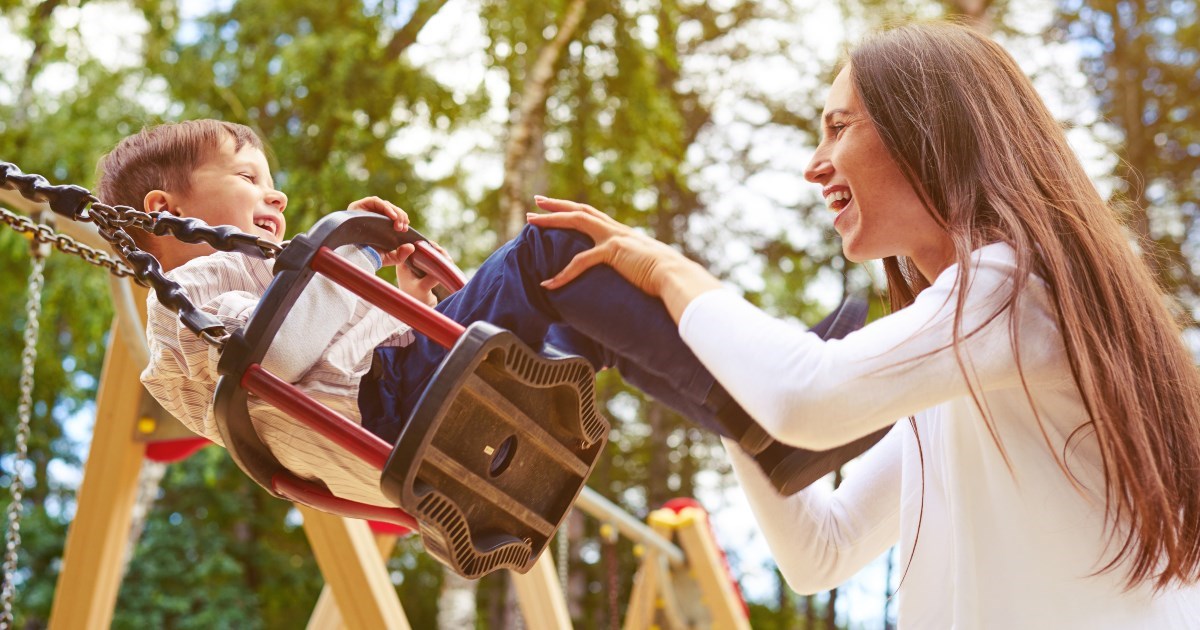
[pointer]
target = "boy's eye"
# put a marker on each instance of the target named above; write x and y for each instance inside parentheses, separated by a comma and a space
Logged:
(249, 177)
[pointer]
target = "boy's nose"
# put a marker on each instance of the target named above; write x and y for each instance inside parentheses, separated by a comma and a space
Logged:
(278, 199)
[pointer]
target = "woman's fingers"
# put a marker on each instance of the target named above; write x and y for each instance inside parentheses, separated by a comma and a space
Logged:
(580, 263)
(558, 205)
(598, 228)
(565, 205)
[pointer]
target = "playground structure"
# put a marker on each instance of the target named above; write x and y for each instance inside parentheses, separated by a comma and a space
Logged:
(680, 553)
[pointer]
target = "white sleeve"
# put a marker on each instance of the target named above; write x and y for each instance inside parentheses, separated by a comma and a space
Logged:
(821, 394)
(313, 321)
(820, 537)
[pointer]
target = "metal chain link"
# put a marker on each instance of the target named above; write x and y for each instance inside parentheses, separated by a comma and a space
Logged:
(43, 233)
(16, 508)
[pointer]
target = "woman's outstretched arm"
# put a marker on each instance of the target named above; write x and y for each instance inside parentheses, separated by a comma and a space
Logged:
(820, 537)
(819, 395)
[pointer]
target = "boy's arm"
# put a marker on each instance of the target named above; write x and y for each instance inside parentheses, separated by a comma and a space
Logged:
(315, 319)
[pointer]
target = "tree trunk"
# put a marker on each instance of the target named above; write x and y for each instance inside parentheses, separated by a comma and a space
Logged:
(147, 492)
(456, 602)
(787, 607)
(975, 12)
(529, 122)
(1127, 58)
(659, 468)
(831, 610)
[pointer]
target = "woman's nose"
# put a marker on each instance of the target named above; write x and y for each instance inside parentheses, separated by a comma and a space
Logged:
(819, 168)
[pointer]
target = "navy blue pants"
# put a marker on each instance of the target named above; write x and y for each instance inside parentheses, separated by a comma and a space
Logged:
(599, 316)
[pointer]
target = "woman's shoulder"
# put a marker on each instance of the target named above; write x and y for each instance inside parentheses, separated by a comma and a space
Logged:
(989, 269)
(992, 287)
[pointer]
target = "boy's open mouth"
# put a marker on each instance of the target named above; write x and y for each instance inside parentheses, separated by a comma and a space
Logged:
(267, 223)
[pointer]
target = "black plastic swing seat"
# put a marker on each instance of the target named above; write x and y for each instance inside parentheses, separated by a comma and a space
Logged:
(496, 451)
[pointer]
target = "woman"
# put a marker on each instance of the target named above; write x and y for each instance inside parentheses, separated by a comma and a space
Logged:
(1048, 472)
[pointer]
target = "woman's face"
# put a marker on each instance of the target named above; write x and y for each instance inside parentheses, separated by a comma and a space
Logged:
(879, 214)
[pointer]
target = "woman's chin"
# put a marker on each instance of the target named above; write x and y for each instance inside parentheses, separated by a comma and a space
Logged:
(850, 252)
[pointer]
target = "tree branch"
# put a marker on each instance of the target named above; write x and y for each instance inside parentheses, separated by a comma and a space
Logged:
(407, 35)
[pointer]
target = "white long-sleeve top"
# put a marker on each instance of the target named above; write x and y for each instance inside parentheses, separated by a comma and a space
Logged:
(324, 347)
(999, 546)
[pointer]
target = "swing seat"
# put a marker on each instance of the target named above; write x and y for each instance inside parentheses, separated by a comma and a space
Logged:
(496, 450)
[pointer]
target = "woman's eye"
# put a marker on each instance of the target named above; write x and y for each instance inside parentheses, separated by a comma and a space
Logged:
(836, 129)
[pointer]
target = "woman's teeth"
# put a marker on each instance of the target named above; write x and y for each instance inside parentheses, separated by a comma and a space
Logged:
(838, 199)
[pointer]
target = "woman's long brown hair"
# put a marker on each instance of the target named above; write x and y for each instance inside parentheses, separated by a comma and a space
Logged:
(972, 135)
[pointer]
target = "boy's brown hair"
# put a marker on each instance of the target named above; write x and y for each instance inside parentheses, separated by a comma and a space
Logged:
(163, 157)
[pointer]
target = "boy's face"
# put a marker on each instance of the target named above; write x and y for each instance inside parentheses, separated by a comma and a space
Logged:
(235, 188)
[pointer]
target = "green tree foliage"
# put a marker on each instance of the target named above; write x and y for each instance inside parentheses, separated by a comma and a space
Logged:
(1143, 59)
(326, 84)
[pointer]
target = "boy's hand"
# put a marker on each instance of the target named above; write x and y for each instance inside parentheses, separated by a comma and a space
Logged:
(420, 288)
(386, 208)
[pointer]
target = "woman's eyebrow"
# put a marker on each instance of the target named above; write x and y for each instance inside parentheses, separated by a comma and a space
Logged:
(834, 112)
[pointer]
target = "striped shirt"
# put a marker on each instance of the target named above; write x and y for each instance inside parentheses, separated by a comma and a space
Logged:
(324, 347)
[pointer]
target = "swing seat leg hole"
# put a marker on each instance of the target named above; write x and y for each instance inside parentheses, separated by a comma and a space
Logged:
(502, 456)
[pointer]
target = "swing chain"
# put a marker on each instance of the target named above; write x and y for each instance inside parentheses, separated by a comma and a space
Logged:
(42, 233)
(16, 508)
(78, 204)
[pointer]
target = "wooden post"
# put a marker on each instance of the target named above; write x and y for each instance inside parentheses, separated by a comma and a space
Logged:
(86, 592)
(541, 597)
(643, 598)
(705, 562)
(326, 615)
(349, 560)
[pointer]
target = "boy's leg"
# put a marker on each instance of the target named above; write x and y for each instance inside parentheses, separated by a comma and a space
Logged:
(617, 325)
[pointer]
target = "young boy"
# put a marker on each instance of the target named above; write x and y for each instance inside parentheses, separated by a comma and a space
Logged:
(354, 358)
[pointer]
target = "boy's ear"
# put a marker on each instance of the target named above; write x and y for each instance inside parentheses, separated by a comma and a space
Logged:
(159, 201)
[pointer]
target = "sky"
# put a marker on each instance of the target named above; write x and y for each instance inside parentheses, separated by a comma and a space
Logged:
(452, 47)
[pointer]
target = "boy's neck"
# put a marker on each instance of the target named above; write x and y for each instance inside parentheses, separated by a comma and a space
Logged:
(179, 254)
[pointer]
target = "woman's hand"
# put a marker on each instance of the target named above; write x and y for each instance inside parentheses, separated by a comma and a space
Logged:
(650, 265)
(386, 208)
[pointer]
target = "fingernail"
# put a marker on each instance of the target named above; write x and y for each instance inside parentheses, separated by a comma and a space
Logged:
(547, 283)
(538, 198)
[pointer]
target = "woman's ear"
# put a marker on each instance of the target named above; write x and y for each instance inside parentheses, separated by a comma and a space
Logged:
(160, 201)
